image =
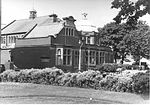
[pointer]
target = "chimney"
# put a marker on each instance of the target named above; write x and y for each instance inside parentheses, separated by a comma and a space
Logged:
(69, 20)
(33, 14)
(54, 17)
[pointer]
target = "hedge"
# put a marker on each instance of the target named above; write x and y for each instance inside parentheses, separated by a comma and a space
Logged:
(125, 81)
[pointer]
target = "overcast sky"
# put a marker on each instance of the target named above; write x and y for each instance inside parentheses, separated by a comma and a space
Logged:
(99, 11)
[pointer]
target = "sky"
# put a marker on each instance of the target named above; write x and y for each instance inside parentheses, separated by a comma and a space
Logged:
(99, 11)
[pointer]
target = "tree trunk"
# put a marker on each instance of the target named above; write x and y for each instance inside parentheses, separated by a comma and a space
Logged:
(122, 59)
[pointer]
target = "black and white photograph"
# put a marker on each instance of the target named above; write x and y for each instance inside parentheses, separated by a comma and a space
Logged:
(75, 51)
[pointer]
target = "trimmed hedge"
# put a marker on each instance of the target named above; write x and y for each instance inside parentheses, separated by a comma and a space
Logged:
(125, 81)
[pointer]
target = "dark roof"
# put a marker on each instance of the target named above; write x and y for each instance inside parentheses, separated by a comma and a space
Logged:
(26, 25)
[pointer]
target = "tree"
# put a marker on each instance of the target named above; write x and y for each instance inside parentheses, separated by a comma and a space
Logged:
(137, 41)
(130, 11)
(125, 40)
(112, 34)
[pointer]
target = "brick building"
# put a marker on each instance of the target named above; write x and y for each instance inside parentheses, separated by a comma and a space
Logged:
(48, 41)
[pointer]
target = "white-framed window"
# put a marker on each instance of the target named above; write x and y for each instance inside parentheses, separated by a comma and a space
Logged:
(101, 57)
(59, 56)
(76, 57)
(67, 57)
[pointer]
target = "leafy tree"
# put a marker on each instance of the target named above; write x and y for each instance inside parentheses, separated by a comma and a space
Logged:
(124, 39)
(131, 11)
(112, 34)
(137, 41)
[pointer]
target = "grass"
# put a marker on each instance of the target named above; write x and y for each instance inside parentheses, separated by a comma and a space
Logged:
(14, 93)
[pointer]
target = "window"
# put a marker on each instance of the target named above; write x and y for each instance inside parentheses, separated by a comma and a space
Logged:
(106, 57)
(86, 57)
(110, 57)
(67, 57)
(3, 40)
(97, 58)
(88, 40)
(72, 32)
(69, 32)
(14, 39)
(92, 57)
(66, 31)
(9, 39)
(102, 57)
(76, 57)
(58, 57)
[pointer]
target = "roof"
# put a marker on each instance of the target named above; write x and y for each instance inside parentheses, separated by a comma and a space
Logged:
(45, 30)
(25, 25)
(18, 26)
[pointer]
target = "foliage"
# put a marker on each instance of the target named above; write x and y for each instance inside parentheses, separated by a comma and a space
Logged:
(137, 41)
(125, 81)
(112, 34)
(126, 40)
(131, 11)
(141, 83)
(108, 67)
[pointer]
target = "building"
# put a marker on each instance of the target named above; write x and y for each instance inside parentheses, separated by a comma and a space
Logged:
(49, 41)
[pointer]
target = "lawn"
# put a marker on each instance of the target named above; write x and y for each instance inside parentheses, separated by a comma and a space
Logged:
(27, 93)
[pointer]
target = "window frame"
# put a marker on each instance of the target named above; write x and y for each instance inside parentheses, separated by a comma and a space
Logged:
(67, 56)
(101, 57)
(60, 55)
(76, 57)
(92, 57)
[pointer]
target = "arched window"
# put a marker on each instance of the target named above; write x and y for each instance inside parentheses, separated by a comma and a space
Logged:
(58, 57)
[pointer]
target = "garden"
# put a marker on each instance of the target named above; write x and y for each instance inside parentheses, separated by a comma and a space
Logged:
(111, 77)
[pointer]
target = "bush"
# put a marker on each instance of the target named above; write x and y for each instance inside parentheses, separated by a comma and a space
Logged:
(108, 67)
(141, 83)
(126, 67)
(9, 76)
(124, 81)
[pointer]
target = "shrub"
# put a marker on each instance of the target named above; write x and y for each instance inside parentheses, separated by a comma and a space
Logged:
(126, 66)
(141, 83)
(108, 67)
(124, 81)
(9, 76)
